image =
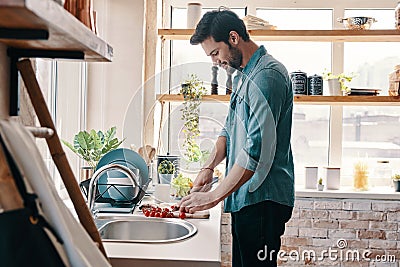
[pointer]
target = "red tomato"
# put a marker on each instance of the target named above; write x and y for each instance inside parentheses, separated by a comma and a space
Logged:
(182, 215)
(147, 213)
(158, 214)
(164, 214)
(170, 215)
(166, 209)
(152, 213)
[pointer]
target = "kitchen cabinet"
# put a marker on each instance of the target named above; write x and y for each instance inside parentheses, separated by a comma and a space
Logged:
(44, 29)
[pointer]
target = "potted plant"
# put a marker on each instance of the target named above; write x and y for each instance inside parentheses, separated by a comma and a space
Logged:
(192, 90)
(337, 83)
(93, 145)
(396, 182)
(320, 186)
(166, 170)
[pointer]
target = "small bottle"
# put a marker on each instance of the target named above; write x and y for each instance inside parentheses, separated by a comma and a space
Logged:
(397, 16)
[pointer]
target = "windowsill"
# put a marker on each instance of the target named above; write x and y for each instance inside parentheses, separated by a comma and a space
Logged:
(381, 192)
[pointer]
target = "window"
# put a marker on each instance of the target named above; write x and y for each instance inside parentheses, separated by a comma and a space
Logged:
(352, 127)
(64, 85)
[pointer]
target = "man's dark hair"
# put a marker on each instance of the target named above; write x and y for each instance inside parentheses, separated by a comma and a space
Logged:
(218, 24)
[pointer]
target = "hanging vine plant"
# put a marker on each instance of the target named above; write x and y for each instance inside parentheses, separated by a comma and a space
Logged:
(192, 90)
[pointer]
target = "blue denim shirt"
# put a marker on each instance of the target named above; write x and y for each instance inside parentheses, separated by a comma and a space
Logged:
(258, 130)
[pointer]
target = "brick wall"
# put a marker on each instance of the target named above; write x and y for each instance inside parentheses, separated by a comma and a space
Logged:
(317, 224)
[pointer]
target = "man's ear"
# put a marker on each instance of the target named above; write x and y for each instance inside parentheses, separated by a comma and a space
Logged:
(233, 38)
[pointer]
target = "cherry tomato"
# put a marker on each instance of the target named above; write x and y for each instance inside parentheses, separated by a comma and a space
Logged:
(182, 215)
(164, 214)
(166, 209)
(159, 210)
(158, 214)
(170, 215)
(152, 213)
(147, 213)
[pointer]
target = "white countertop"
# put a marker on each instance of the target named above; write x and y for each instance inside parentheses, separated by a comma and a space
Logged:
(203, 246)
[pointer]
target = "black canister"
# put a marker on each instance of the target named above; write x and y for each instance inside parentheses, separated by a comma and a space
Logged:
(315, 85)
(299, 82)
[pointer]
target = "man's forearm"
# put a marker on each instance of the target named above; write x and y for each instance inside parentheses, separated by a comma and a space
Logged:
(236, 178)
(218, 153)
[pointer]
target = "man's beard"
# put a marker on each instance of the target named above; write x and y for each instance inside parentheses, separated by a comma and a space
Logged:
(235, 58)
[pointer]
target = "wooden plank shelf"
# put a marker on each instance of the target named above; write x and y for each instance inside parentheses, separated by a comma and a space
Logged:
(65, 32)
(179, 98)
(301, 35)
(307, 100)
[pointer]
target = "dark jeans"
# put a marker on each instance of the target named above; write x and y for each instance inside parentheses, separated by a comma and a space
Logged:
(256, 233)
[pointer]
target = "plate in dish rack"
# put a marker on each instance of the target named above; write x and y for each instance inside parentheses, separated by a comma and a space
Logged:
(125, 157)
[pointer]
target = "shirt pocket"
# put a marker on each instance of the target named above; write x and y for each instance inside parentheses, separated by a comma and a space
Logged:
(239, 112)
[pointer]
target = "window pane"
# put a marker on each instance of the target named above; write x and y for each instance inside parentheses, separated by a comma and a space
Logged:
(189, 59)
(370, 134)
(310, 138)
(372, 62)
(310, 132)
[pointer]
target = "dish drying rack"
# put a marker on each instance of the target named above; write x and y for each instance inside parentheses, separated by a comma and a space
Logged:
(110, 205)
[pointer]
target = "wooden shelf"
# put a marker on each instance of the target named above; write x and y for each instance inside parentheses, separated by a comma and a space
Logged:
(206, 98)
(307, 100)
(65, 32)
(301, 35)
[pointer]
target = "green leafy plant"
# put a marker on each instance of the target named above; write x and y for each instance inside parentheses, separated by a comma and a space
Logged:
(192, 90)
(181, 186)
(342, 77)
(396, 177)
(166, 167)
(320, 181)
(92, 146)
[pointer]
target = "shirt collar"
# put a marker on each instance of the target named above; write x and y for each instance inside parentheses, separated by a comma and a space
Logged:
(261, 51)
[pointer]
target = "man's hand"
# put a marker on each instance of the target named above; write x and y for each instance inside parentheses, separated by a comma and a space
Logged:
(198, 201)
(202, 181)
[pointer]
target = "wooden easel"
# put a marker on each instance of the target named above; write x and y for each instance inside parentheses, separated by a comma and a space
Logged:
(57, 152)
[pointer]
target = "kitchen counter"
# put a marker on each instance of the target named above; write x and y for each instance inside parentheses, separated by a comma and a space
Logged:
(203, 249)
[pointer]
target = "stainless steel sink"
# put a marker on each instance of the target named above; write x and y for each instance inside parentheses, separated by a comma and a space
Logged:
(138, 229)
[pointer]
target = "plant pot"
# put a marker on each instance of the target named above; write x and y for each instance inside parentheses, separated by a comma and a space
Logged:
(86, 173)
(165, 178)
(320, 187)
(334, 87)
(396, 184)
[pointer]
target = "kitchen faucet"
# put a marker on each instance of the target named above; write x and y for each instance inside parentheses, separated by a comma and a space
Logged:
(93, 182)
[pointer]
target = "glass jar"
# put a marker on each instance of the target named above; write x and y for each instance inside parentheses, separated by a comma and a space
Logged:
(394, 81)
(360, 176)
(383, 172)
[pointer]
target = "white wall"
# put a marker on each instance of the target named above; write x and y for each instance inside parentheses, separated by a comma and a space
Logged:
(111, 86)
